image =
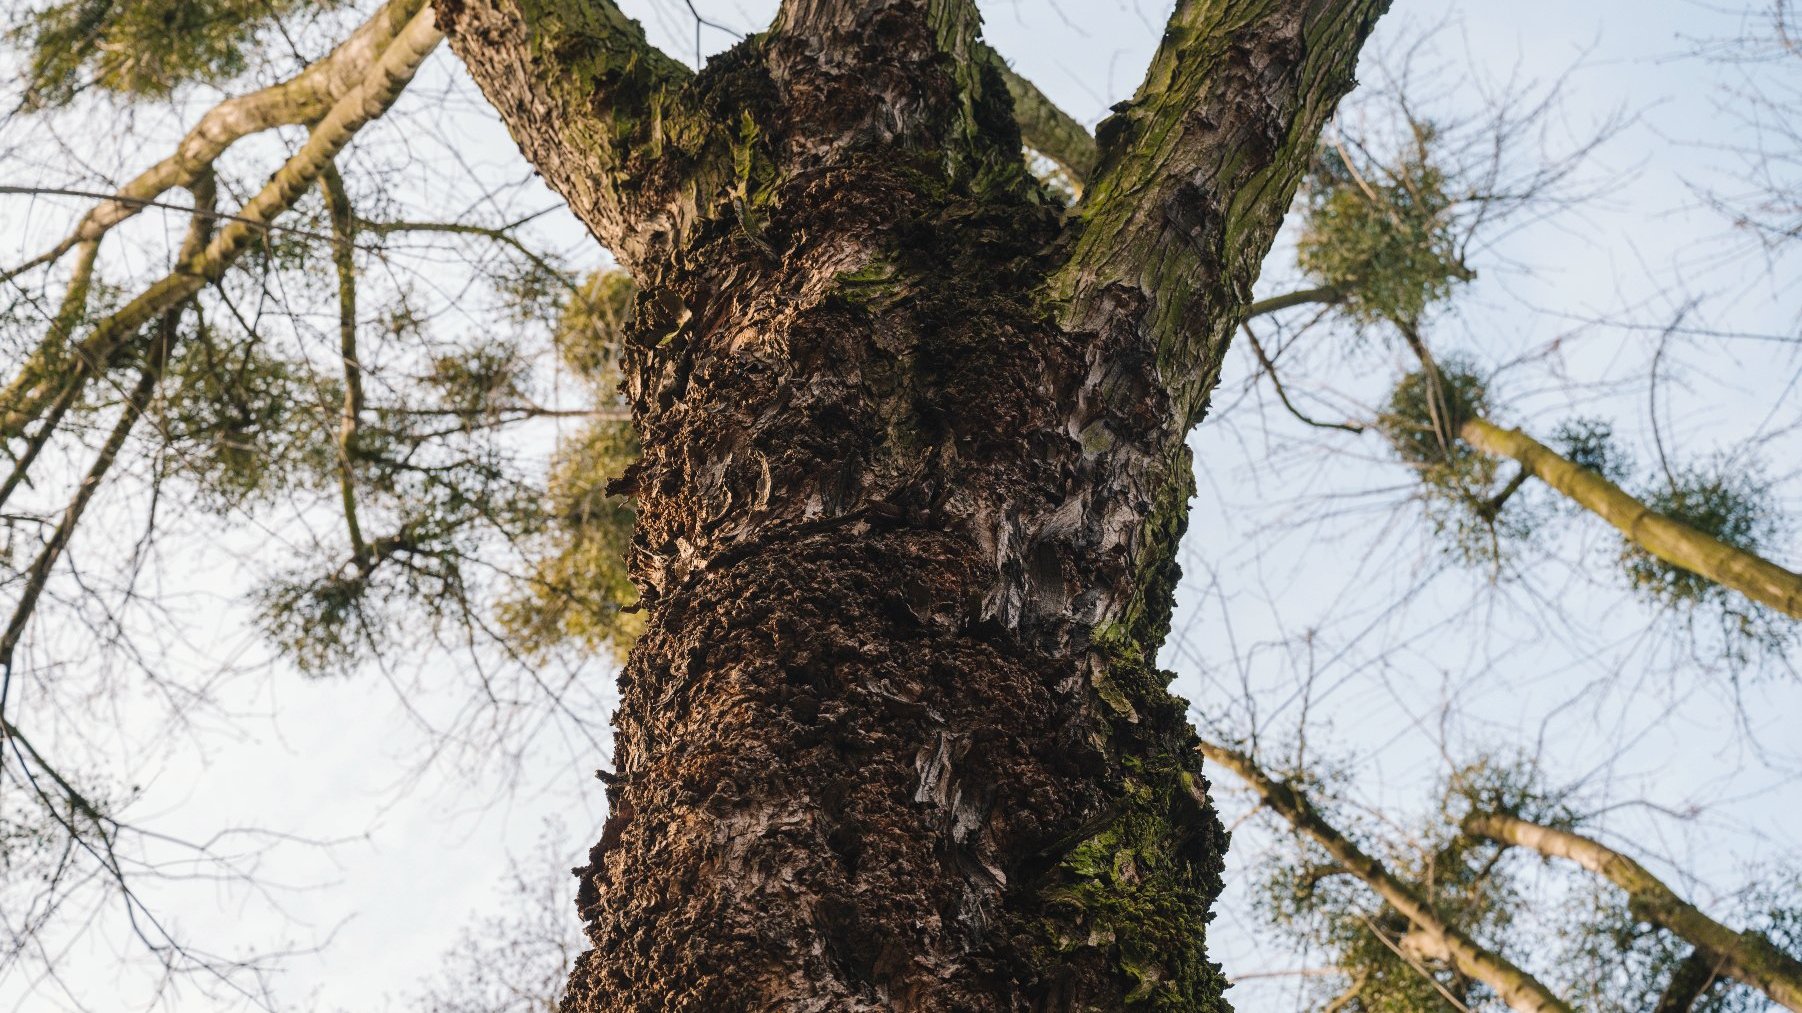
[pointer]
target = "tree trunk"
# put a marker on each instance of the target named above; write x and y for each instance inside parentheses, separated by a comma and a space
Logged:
(912, 481)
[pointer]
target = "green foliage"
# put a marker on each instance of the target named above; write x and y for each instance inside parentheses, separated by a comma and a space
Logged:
(1459, 486)
(1733, 504)
(141, 48)
(322, 624)
(478, 382)
(1590, 443)
(578, 587)
(1473, 884)
(1381, 235)
(591, 325)
(1613, 962)
(240, 422)
(1423, 416)
(437, 513)
(435, 482)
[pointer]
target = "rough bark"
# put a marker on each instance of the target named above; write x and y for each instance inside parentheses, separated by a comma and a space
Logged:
(1670, 540)
(910, 493)
(1747, 957)
(1520, 990)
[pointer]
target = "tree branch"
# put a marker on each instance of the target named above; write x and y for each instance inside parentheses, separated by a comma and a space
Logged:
(1748, 957)
(344, 231)
(1197, 171)
(1325, 294)
(1257, 348)
(303, 98)
(1688, 984)
(1665, 537)
(598, 111)
(368, 100)
(1515, 987)
(155, 359)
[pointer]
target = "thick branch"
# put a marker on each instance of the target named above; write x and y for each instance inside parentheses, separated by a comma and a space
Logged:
(595, 108)
(1195, 175)
(1515, 987)
(1667, 538)
(303, 98)
(1197, 171)
(1692, 979)
(1748, 957)
(1325, 294)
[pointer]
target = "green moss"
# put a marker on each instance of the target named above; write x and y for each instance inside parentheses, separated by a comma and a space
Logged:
(1140, 887)
(1137, 890)
(873, 286)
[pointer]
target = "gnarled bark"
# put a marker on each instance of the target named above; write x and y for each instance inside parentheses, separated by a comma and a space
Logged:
(910, 494)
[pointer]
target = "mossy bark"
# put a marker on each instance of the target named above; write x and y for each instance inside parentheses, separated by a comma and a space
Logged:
(912, 483)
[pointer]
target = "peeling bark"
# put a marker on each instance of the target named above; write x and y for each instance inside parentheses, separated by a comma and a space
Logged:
(910, 495)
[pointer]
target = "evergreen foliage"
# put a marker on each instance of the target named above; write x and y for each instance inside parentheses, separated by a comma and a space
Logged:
(1384, 241)
(141, 48)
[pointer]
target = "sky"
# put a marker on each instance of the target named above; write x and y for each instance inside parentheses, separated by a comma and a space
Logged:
(1299, 547)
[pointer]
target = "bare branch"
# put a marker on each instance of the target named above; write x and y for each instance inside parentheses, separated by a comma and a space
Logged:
(27, 394)
(1045, 128)
(1747, 956)
(303, 98)
(1515, 987)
